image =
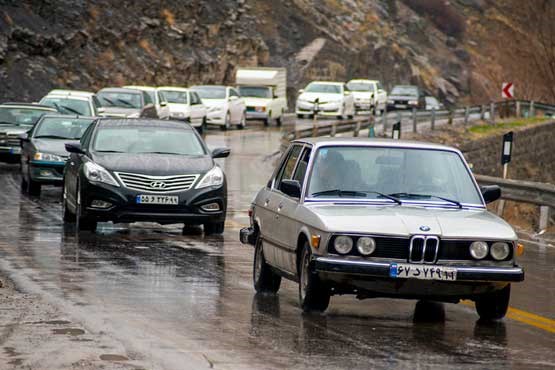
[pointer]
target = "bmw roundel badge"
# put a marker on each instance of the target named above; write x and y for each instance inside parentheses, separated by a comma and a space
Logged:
(424, 228)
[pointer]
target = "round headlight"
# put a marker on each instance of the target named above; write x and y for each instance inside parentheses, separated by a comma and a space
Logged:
(366, 246)
(500, 251)
(343, 244)
(479, 250)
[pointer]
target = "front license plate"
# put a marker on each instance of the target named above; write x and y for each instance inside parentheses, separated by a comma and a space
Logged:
(15, 150)
(423, 272)
(157, 199)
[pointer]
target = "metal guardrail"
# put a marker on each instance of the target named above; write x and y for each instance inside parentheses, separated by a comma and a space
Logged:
(538, 193)
(502, 109)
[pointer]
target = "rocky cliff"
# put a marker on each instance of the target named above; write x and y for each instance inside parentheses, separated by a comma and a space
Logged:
(88, 44)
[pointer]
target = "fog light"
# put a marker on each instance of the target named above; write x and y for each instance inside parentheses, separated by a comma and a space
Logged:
(45, 173)
(479, 250)
(519, 249)
(343, 244)
(366, 245)
(100, 204)
(210, 207)
(500, 251)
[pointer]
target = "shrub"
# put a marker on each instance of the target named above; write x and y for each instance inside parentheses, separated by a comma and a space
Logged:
(442, 14)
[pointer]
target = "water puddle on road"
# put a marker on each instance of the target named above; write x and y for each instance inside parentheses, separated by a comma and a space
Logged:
(114, 358)
(68, 331)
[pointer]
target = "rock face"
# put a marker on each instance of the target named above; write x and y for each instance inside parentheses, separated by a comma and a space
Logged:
(96, 43)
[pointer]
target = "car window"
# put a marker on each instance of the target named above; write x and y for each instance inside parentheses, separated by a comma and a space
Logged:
(379, 85)
(86, 138)
(160, 97)
(210, 92)
(194, 98)
(360, 86)
(21, 116)
(323, 88)
(175, 97)
(147, 98)
(286, 171)
(120, 99)
(233, 92)
(405, 90)
(300, 172)
(61, 128)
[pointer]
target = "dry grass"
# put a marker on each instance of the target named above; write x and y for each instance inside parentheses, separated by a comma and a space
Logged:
(442, 14)
(145, 45)
(168, 16)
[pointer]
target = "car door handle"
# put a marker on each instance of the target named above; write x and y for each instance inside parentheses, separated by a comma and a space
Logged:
(280, 207)
(266, 202)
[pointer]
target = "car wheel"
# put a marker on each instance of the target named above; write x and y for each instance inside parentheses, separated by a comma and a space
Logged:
(67, 215)
(279, 120)
(243, 123)
(23, 184)
(83, 222)
(227, 123)
(314, 295)
(33, 188)
(494, 306)
(211, 228)
(300, 116)
(264, 279)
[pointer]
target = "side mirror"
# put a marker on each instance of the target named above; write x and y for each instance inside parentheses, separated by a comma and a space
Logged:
(291, 188)
(163, 103)
(101, 110)
(24, 136)
(301, 91)
(74, 148)
(491, 193)
(221, 153)
(275, 96)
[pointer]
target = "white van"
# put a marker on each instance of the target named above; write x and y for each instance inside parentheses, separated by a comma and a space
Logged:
(264, 92)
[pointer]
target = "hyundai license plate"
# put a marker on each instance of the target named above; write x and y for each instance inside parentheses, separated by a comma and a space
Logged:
(157, 199)
(423, 272)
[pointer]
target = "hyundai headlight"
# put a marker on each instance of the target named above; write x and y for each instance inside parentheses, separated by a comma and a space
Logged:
(134, 115)
(48, 157)
(366, 245)
(94, 172)
(214, 177)
(479, 250)
(500, 251)
(343, 244)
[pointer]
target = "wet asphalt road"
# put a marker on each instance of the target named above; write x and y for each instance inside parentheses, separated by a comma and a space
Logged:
(177, 301)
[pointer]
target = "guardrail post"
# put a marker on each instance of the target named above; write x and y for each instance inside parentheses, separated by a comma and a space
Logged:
(544, 217)
(466, 114)
(518, 108)
(450, 117)
(532, 109)
(314, 129)
(414, 119)
(333, 129)
(384, 119)
(482, 112)
(492, 112)
(399, 117)
(433, 118)
(357, 129)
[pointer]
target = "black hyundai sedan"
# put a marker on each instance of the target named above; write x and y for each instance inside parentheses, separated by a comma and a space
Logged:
(43, 153)
(127, 170)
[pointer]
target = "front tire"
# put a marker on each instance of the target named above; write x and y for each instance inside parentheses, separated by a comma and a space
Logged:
(211, 228)
(227, 123)
(264, 279)
(314, 295)
(33, 187)
(67, 215)
(84, 223)
(494, 306)
(243, 123)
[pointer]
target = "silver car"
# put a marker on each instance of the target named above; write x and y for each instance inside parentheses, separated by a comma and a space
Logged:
(381, 218)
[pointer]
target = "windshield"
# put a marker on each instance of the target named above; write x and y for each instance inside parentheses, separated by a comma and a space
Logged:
(20, 116)
(210, 92)
(407, 174)
(69, 106)
(120, 99)
(405, 90)
(360, 86)
(145, 139)
(62, 128)
(175, 97)
(255, 92)
(323, 88)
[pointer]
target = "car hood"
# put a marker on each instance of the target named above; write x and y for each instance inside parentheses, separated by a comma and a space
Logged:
(362, 94)
(402, 97)
(256, 102)
(407, 220)
(178, 108)
(154, 164)
(213, 102)
(14, 129)
(52, 146)
(324, 97)
(120, 112)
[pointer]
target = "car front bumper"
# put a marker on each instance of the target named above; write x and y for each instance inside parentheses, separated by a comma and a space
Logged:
(124, 206)
(10, 153)
(331, 265)
(46, 172)
(215, 118)
(256, 115)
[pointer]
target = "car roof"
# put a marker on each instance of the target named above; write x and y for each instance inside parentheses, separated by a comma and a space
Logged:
(143, 122)
(411, 86)
(120, 89)
(27, 105)
(137, 87)
(67, 97)
(172, 88)
(209, 86)
(377, 142)
(327, 82)
(363, 80)
(80, 93)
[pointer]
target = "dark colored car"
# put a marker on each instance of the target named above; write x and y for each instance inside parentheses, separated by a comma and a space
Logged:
(126, 103)
(43, 153)
(404, 97)
(15, 119)
(127, 170)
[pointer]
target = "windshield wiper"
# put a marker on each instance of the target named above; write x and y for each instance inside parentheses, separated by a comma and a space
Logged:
(109, 151)
(108, 101)
(7, 123)
(53, 137)
(455, 202)
(126, 103)
(354, 193)
(71, 110)
(159, 153)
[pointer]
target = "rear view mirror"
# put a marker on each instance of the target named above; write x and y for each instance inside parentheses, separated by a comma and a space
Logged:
(491, 193)
(74, 148)
(291, 188)
(221, 153)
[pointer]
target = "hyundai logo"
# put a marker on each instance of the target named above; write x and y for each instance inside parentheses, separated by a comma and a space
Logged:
(157, 185)
(425, 228)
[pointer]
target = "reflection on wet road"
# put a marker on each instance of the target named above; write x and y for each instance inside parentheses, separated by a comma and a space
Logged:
(186, 301)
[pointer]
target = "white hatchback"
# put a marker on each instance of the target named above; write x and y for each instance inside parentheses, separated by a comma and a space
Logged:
(225, 106)
(161, 105)
(185, 105)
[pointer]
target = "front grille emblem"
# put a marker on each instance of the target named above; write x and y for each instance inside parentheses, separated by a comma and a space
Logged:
(424, 228)
(423, 249)
(157, 185)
